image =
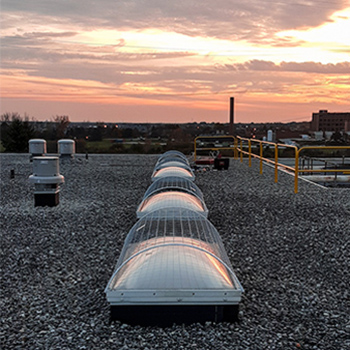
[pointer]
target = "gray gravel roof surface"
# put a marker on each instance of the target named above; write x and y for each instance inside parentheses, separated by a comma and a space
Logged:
(289, 251)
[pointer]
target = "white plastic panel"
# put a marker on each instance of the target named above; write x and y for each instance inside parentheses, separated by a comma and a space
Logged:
(171, 199)
(173, 171)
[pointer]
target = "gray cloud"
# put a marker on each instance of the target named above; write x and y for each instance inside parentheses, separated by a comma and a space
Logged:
(30, 49)
(45, 54)
(107, 65)
(43, 35)
(40, 55)
(315, 67)
(307, 67)
(252, 20)
(186, 83)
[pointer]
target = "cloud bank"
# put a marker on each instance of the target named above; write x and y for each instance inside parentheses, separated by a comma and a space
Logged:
(183, 55)
(251, 20)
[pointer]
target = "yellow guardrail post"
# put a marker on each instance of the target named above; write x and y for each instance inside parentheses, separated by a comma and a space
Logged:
(236, 148)
(241, 151)
(296, 171)
(261, 157)
(250, 152)
(276, 162)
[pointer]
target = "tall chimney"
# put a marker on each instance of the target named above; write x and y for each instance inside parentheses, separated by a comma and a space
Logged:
(232, 126)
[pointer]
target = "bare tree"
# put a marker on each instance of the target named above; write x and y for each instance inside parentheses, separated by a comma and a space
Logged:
(62, 122)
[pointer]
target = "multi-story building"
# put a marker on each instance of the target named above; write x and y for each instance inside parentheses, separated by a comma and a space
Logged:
(325, 121)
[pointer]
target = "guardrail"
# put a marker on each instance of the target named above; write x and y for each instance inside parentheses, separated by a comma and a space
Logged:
(243, 146)
(241, 141)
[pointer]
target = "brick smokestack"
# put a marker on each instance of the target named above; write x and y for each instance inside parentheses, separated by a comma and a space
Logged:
(232, 112)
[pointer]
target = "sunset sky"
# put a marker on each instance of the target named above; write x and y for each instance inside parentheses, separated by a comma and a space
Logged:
(175, 61)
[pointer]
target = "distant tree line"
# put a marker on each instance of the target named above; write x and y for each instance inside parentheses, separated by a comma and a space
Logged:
(16, 131)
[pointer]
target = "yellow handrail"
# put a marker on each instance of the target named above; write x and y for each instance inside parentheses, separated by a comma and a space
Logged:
(277, 146)
(297, 156)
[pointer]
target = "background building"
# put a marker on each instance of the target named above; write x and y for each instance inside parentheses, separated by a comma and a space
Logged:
(325, 121)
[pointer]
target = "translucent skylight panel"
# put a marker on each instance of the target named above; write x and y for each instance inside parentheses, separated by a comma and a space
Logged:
(171, 199)
(173, 171)
(173, 163)
(171, 183)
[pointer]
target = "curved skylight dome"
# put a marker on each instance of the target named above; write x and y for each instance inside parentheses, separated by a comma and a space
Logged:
(171, 183)
(172, 163)
(171, 199)
(173, 171)
(173, 153)
(172, 159)
(175, 260)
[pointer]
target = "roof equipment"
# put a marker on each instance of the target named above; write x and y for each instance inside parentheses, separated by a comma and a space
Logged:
(47, 180)
(173, 268)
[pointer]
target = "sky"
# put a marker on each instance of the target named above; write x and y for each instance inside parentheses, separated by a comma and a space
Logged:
(174, 61)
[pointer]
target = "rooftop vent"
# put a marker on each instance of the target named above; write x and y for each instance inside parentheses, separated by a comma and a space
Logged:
(47, 180)
(66, 148)
(37, 147)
